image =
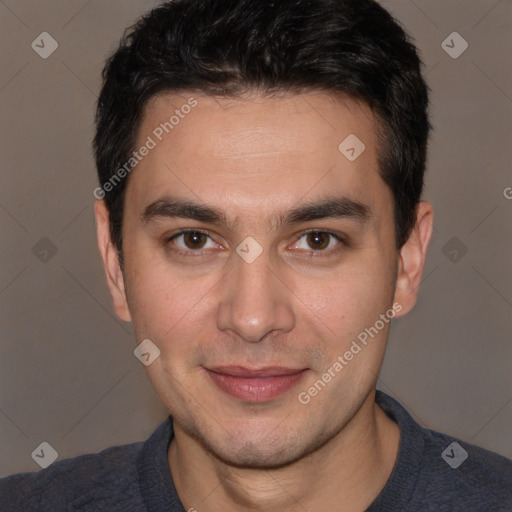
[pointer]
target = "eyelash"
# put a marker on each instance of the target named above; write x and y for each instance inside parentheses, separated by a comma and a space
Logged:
(312, 252)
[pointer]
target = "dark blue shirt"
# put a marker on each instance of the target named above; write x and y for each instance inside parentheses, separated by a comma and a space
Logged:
(433, 472)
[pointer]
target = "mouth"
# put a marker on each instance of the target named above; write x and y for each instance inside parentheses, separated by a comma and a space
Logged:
(255, 385)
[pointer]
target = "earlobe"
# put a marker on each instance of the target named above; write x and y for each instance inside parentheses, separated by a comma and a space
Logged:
(110, 257)
(411, 259)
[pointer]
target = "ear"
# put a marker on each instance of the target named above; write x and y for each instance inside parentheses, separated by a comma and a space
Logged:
(110, 256)
(412, 259)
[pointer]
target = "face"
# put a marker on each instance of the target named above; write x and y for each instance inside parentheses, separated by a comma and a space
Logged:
(256, 252)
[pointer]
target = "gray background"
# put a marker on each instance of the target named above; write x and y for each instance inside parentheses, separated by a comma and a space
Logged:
(68, 375)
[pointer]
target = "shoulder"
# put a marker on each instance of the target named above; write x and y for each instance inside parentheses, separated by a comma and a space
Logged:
(465, 473)
(438, 472)
(71, 484)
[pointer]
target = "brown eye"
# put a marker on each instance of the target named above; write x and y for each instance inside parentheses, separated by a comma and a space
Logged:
(318, 240)
(191, 241)
(194, 239)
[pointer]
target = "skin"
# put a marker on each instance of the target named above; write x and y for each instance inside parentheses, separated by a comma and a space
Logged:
(299, 304)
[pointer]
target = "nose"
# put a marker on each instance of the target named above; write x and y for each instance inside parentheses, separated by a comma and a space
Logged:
(254, 301)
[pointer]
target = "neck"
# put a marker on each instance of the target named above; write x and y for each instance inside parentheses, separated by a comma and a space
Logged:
(347, 473)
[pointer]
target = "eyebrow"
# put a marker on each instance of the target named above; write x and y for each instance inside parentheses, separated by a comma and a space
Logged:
(324, 208)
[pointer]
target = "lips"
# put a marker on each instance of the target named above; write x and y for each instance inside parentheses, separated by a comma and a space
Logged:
(255, 385)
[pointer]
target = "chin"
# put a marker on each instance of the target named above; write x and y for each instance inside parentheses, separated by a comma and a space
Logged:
(258, 456)
(269, 448)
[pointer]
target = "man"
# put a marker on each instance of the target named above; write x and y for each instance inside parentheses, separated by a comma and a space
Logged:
(260, 221)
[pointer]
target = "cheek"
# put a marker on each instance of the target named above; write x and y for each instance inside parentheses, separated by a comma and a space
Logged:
(162, 300)
(350, 298)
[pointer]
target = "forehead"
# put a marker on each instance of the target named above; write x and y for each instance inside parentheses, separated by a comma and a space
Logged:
(255, 121)
(256, 151)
